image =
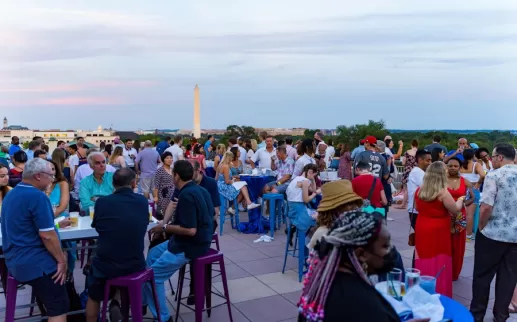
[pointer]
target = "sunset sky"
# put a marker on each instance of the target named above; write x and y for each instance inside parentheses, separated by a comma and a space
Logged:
(133, 64)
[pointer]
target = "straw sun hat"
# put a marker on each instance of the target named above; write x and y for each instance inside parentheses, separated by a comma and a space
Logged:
(336, 194)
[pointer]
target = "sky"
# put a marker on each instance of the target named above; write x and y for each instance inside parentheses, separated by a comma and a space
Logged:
(133, 64)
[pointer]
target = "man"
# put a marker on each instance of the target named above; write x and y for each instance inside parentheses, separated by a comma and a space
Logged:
(262, 140)
(436, 144)
(192, 231)
(42, 154)
(130, 154)
(415, 179)
(85, 170)
(208, 142)
(163, 145)
(377, 162)
(30, 240)
(234, 143)
(15, 146)
(61, 144)
(284, 167)
(462, 146)
(176, 150)
(146, 164)
(263, 155)
(33, 146)
(121, 221)
(98, 184)
(358, 150)
(495, 252)
(81, 151)
(363, 185)
(291, 151)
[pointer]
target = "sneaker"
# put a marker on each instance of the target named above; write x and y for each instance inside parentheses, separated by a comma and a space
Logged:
(253, 206)
(241, 208)
(231, 211)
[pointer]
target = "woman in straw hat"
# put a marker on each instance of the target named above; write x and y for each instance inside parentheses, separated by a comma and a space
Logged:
(337, 287)
(338, 197)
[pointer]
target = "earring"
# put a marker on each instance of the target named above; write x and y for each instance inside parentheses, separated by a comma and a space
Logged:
(365, 267)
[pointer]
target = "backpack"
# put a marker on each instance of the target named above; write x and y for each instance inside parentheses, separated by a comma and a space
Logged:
(367, 203)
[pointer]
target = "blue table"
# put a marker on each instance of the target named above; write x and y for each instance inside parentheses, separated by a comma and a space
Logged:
(255, 187)
(455, 311)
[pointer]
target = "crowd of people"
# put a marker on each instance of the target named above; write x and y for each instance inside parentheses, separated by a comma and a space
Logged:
(441, 191)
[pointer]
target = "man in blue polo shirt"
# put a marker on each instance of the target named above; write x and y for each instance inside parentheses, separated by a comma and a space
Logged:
(462, 146)
(30, 240)
(191, 232)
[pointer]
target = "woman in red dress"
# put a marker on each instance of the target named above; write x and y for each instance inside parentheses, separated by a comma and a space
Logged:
(433, 246)
(458, 188)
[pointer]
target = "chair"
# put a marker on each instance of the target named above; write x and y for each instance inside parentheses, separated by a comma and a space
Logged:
(222, 216)
(273, 198)
(203, 284)
(10, 302)
(134, 285)
(299, 246)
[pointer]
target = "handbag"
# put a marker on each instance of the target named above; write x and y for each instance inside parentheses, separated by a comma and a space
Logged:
(458, 222)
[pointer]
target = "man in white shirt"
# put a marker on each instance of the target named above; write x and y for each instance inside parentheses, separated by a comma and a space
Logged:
(130, 154)
(495, 253)
(175, 149)
(263, 155)
(415, 179)
(234, 143)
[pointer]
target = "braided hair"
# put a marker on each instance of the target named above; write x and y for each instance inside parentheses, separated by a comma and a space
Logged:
(351, 230)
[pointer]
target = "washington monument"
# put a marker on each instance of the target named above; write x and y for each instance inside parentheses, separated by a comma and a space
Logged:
(197, 121)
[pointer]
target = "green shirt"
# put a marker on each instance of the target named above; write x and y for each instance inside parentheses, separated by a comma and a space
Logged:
(91, 188)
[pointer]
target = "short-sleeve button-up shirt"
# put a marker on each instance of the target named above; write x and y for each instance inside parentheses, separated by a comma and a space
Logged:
(284, 168)
(500, 192)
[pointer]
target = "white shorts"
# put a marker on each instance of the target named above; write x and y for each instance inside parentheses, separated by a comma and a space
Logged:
(239, 184)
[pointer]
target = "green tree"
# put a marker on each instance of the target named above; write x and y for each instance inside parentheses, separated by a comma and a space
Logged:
(351, 135)
(25, 145)
(309, 133)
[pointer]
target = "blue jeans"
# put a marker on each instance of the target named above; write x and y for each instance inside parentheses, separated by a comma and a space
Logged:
(164, 265)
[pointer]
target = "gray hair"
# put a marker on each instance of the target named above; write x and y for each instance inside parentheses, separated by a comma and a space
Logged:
(381, 145)
(35, 166)
(148, 143)
(92, 155)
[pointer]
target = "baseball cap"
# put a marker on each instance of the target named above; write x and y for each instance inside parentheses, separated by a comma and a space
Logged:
(372, 140)
(362, 141)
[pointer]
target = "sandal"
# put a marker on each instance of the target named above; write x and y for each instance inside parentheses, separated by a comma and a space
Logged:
(512, 308)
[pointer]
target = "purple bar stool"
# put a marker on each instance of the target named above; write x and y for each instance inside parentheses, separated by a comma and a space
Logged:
(134, 285)
(10, 302)
(203, 284)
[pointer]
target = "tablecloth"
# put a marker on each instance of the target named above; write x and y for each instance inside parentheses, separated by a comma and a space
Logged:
(455, 311)
(255, 186)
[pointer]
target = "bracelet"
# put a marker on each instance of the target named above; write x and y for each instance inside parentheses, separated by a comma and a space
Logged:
(278, 183)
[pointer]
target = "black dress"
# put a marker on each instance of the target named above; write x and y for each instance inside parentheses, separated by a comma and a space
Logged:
(351, 299)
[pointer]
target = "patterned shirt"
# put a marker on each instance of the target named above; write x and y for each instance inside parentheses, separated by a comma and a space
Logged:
(284, 168)
(500, 192)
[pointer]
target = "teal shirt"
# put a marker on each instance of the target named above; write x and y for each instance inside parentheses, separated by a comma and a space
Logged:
(90, 188)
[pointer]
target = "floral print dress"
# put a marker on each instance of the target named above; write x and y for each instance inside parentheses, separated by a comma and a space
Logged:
(410, 164)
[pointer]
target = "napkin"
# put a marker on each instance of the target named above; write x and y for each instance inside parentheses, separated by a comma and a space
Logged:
(255, 172)
(423, 304)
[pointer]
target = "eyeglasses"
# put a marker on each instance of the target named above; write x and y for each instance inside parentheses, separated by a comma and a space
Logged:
(484, 156)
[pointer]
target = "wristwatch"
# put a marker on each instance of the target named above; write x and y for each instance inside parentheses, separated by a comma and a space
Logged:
(164, 227)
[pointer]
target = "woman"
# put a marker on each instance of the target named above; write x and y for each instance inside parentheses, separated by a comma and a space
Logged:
(345, 163)
(305, 150)
(108, 149)
(102, 146)
(221, 149)
(409, 162)
(301, 190)
(236, 167)
(338, 197)
(359, 244)
(188, 151)
(4, 181)
(117, 159)
(433, 247)
(58, 191)
(198, 154)
(59, 196)
(211, 152)
(230, 188)
(334, 164)
(473, 172)
(163, 184)
(58, 157)
(248, 146)
(15, 174)
(483, 157)
(437, 154)
(457, 187)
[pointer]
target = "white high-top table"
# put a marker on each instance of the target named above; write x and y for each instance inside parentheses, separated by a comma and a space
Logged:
(83, 230)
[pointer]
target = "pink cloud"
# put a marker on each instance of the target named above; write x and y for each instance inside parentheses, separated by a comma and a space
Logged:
(79, 87)
(81, 101)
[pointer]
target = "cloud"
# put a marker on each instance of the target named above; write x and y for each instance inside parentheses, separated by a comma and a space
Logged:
(81, 87)
(86, 101)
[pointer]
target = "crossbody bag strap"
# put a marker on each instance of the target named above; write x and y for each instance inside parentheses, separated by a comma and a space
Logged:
(370, 194)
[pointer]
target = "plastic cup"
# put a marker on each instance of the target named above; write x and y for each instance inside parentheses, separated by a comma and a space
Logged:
(92, 212)
(395, 283)
(428, 283)
(74, 218)
(412, 277)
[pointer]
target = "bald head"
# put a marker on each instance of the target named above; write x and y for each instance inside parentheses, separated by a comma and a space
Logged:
(463, 143)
